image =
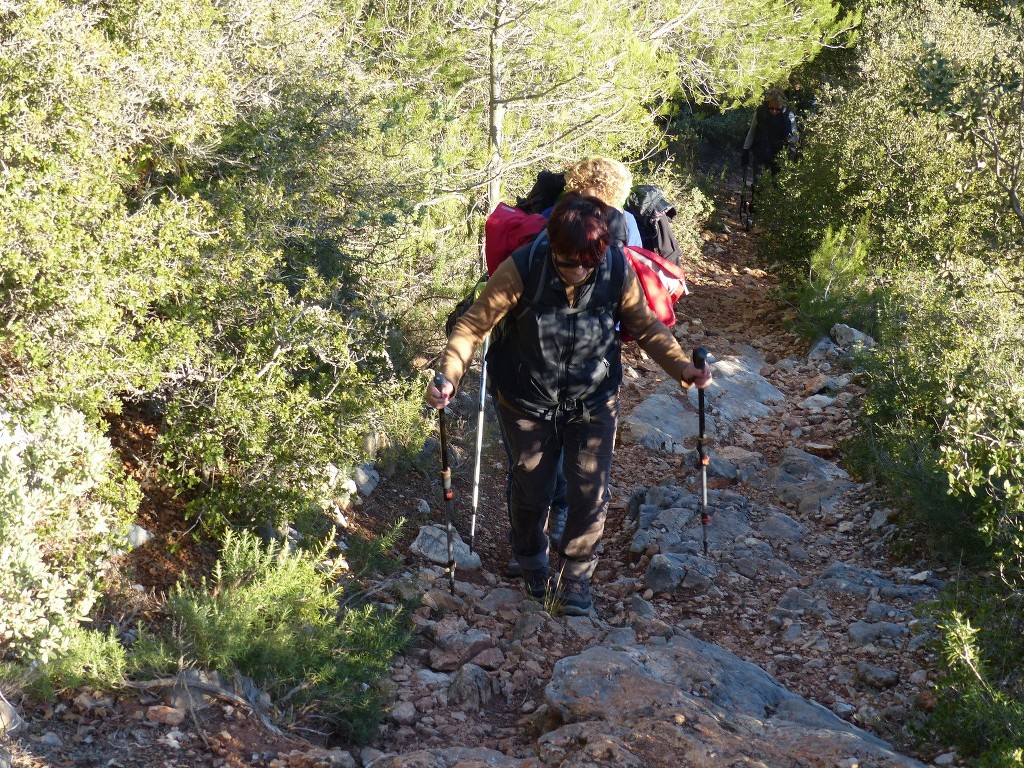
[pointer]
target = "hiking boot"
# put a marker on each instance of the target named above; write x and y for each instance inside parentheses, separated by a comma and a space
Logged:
(536, 582)
(575, 596)
(556, 525)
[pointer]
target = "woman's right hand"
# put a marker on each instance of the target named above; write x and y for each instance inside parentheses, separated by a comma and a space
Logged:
(439, 392)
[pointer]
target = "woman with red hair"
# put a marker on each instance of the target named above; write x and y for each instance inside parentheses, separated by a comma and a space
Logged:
(555, 363)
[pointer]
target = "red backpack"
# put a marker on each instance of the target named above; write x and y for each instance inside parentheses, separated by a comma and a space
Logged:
(663, 281)
(506, 229)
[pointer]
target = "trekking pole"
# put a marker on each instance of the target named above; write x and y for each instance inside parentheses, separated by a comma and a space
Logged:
(745, 203)
(479, 439)
(699, 359)
(446, 486)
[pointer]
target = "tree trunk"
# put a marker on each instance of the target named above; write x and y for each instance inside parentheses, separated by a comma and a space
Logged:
(495, 167)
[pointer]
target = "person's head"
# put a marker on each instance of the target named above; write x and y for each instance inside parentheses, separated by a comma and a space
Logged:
(794, 82)
(775, 101)
(601, 177)
(578, 231)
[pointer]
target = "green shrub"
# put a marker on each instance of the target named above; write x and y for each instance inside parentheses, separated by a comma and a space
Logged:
(91, 659)
(65, 503)
(839, 287)
(981, 695)
(274, 615)
(983, 444)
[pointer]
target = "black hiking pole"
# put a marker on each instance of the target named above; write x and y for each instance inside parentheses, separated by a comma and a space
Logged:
(699, 359)
(479, 440)
(746, 201)
(446, 486)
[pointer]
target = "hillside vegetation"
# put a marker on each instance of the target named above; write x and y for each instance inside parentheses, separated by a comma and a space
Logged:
(904, 218)
(245, 220)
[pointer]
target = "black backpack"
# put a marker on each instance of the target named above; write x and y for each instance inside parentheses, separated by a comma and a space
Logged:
(544, 194)
(653, 214)
(463, 306)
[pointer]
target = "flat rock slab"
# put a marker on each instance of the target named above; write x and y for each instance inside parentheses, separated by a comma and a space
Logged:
(663, 422)
(739, 390)
(810, 483)
(699, 699)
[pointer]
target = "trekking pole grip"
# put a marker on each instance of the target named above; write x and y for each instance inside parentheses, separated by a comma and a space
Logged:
(699, 357)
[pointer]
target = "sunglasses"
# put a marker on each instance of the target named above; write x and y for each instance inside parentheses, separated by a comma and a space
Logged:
(775, 109)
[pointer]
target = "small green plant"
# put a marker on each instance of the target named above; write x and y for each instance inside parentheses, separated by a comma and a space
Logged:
(273, 614)
(92, 659)
(552, 601)
(981, 696)
(838, 286)
(374, 555)
(553, 604)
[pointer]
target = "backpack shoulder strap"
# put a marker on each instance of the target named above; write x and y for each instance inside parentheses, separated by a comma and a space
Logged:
(533, 270)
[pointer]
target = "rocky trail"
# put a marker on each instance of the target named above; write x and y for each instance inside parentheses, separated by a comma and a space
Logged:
(798, 640)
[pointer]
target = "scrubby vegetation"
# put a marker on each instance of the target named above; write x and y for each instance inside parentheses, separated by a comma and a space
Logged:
(904, 218)
(245, 219)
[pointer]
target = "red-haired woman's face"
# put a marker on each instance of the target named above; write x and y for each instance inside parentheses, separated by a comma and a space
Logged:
(570, 270)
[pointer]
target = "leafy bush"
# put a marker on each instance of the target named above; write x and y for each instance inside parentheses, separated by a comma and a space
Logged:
(981, 696)
(91, 659)
(64, 503)
(839, 288)
(983, 453)
(274, 615)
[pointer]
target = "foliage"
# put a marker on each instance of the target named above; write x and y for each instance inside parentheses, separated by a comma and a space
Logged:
(273, 615)
(980, 697)
(729, 53)
(922, 148)
(178, 235)
(838, 288)
(92, 659)
(983, 446)
(64, 505)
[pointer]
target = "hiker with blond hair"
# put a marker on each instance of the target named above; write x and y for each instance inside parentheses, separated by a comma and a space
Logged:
(610, 181)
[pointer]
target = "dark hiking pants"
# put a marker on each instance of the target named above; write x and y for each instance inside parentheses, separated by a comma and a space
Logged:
(535, 446)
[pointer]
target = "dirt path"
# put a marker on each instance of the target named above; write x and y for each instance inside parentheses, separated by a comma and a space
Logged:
(733, 308)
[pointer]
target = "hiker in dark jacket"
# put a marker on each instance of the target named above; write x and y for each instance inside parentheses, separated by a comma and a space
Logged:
(557, 370)
(772, 128)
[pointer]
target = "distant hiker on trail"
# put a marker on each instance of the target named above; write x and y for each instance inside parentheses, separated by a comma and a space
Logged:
(801, 100)
(557, 370)
(772, 128)
(610, 181)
